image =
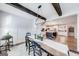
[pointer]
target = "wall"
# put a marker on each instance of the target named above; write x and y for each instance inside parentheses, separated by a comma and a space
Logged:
(62, 30)
(68, 21)
(78, 32)
(15, 25)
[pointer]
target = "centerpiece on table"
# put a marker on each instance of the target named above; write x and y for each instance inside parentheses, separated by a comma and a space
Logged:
(39, 37)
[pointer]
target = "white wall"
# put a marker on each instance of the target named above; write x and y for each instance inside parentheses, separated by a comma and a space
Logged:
(68, 20)
(15, 25)
(78, 32)
(64, 29)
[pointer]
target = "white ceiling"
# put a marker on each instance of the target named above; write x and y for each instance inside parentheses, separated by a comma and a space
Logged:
(14, 11)
(47, 10)
(69, 8)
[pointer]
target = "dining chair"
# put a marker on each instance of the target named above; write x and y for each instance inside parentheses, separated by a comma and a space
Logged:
(27, 38)
(32, 46)
(36, 49)
(28, 43)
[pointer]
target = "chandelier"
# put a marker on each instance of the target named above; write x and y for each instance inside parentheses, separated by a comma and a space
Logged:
(39, 21)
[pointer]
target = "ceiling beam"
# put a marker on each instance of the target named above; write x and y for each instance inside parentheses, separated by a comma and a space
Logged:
(18, 6)
(57, 8)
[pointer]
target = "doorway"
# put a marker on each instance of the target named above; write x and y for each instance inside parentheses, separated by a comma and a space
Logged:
(71, 31)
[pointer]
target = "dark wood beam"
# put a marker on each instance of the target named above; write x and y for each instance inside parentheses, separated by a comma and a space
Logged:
(18, 6)
(57, 8)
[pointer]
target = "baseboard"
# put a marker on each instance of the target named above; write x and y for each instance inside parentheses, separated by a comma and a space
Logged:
(75, 51)
(18, 43)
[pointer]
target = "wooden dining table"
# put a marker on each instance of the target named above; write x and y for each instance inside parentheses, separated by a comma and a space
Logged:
(53, 47)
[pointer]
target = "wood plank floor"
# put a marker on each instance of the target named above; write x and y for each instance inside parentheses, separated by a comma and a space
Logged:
(70, 41)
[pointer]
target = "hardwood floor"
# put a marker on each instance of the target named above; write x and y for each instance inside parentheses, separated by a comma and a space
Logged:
(72, 43)
(70, 40)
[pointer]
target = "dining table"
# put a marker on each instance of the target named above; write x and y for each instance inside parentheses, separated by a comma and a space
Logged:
(52, 47)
